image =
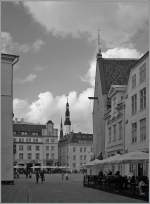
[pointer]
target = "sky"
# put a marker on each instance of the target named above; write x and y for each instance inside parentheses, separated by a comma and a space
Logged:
(57, 45)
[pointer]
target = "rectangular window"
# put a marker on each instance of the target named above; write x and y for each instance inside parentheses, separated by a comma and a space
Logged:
(52, 148)
(20, 155)
(34, 140)
(35, 133)
(47, 156)
(134, 104)
(80, 157)
(120, 130)
(84, 149)
(109, 134)
(29, 148)
(74, 157)
(143, 99)
(143, 73)
(74, 149)
(84, 157)
(29, 156)
(47, 147)
(114, 131)
(74, 165)
(131, 168)
(80, 149)
(37, 148)
(52, 140)
(143, 130)
(37, 156)
(134, 132)
(134, 81)
(52, 155)
(47, 140)
(21, 147)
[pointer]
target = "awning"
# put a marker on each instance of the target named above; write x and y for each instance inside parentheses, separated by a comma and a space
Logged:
(19, 167)
(118, 158)
(92, 163)
(132, 156)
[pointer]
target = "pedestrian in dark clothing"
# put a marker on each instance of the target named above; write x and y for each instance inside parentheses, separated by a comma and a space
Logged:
(62, 176)
(37, 176)
(42, 176)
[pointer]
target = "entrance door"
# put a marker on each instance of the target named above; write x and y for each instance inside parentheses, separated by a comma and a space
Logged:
(140, 169)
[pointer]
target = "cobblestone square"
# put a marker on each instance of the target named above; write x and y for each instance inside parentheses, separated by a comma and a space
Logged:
(53, 190)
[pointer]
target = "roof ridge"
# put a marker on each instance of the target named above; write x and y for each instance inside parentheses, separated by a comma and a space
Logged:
(121, 59)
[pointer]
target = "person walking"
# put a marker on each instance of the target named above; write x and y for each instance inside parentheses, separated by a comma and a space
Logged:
(62, 176)
(66, 176)
(42, 176)
(37, 176)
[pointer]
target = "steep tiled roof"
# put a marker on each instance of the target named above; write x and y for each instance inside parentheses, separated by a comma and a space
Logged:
(114, 71)
(76, 137)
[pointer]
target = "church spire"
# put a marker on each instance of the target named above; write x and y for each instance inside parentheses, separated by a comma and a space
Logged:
(99, 54)
(61, 130)
(67, 122)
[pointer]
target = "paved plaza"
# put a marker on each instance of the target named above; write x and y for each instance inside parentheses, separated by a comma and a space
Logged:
(53, 190)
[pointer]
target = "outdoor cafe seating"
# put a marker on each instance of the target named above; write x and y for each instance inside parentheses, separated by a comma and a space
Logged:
(132, 186)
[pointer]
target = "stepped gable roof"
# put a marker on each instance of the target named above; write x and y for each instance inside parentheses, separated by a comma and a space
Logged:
(114, 71)
(28, 127)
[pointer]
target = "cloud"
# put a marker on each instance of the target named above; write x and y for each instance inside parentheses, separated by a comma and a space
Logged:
(30, 78)
(20, 108)
(49, 107)
(119, 21)
(39, 68)
(89, 77)
(37, 44)
(122, 53)
(9, 46)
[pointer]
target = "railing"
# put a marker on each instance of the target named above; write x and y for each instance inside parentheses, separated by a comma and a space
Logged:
(116, 184)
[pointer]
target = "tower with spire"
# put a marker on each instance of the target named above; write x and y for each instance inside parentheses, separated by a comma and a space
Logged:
(61, 130)
(99, 54)
(67, 122)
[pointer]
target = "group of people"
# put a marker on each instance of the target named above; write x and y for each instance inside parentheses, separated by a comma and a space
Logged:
(39, 174)
(125, 182)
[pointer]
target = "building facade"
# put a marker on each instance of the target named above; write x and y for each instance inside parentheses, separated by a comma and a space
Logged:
(114, 122)
(108, 72)
(127, 119)
(137, 107)
(7, 63)
(75, 150)
(35, 144)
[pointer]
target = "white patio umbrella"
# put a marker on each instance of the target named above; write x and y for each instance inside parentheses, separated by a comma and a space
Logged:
(19, 167)
(92, 163)
(132, 156)
(36, 167)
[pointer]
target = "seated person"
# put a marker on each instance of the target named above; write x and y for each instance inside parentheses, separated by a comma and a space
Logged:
(140, 185)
